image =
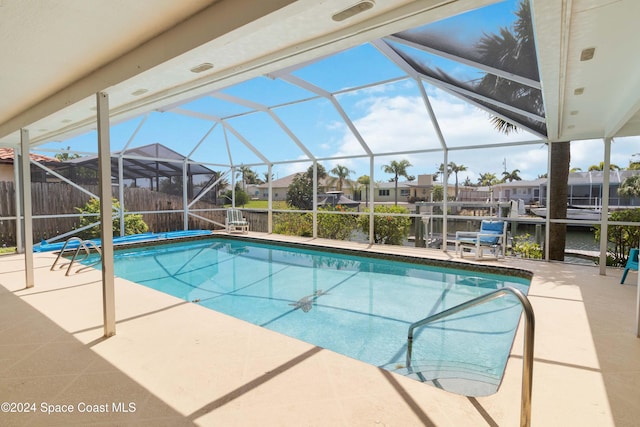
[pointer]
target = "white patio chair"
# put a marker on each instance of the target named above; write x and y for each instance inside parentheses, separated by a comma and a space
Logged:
(236, 222)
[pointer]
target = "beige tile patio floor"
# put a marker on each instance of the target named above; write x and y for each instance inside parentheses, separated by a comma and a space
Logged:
(178, 363)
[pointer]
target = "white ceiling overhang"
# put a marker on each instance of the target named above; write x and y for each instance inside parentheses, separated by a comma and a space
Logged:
(596, 98)
(241, 38)
(58, 54)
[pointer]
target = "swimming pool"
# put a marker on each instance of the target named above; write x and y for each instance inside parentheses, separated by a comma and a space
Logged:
(359, 306)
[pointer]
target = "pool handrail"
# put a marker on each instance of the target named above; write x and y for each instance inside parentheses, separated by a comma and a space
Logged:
(66, 243)
(527, 362)
(82, 244)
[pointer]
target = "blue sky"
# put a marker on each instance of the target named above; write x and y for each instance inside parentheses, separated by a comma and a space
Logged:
(390, 117)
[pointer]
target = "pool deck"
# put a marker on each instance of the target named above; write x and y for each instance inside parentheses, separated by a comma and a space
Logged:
(178, 363)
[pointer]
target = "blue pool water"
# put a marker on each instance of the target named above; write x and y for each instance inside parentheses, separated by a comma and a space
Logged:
(358, 306)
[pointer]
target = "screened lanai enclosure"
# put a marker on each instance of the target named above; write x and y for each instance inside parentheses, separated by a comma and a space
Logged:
(485, 87)
(151, 166)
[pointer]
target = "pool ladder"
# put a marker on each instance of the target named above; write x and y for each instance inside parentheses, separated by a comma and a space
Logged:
(87, 245)
(527, 363)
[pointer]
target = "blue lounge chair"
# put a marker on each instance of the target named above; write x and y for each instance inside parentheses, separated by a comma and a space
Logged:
(632, 264)
(492, 236)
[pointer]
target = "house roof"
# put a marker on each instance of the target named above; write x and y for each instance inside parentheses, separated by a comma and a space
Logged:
(576, 178)
(148, 161)
(6, 156)
(597, 177)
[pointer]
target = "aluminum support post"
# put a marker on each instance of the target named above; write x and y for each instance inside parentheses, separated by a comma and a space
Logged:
(269, 199)
(604, 207)
(25, 189)
(106, 215)
(18, 194)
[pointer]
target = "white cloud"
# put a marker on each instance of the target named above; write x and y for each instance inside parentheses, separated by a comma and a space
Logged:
(591, 152)
(401, 123)
(390, 124)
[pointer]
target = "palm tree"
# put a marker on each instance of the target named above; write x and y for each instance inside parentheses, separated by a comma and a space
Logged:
(397, 169)
(248, 176)
(456, 169)
(515, 51)
(487, 179)
(66, 155)
(441, 170)
(630, 187)
(558, 196)
(600, 167)
(342, 174)
(511, 176)
(222, 184)
(453, 169)
(366, 181)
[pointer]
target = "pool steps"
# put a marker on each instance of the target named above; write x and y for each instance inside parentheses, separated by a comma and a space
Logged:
(79, 244)
(94, 245)
(456, 377)
(529, 325)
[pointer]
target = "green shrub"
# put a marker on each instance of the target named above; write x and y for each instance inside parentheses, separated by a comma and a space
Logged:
(330, 226)
(133, 223)
(336, 226)
(621, 238)
(293, 224)
(242, 198)
(525, 247)
(387, 229)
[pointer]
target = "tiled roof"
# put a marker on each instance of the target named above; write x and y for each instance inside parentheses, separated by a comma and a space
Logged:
(7, 154)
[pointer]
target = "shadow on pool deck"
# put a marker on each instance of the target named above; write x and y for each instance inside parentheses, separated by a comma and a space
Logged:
(182, 364)
(45, 366)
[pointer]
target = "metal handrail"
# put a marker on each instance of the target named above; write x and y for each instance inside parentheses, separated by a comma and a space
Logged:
(62, 250)
(527, 362)
(84, 244)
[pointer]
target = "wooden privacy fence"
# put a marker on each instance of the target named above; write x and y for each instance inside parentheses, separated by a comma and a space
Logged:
(62, 199)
